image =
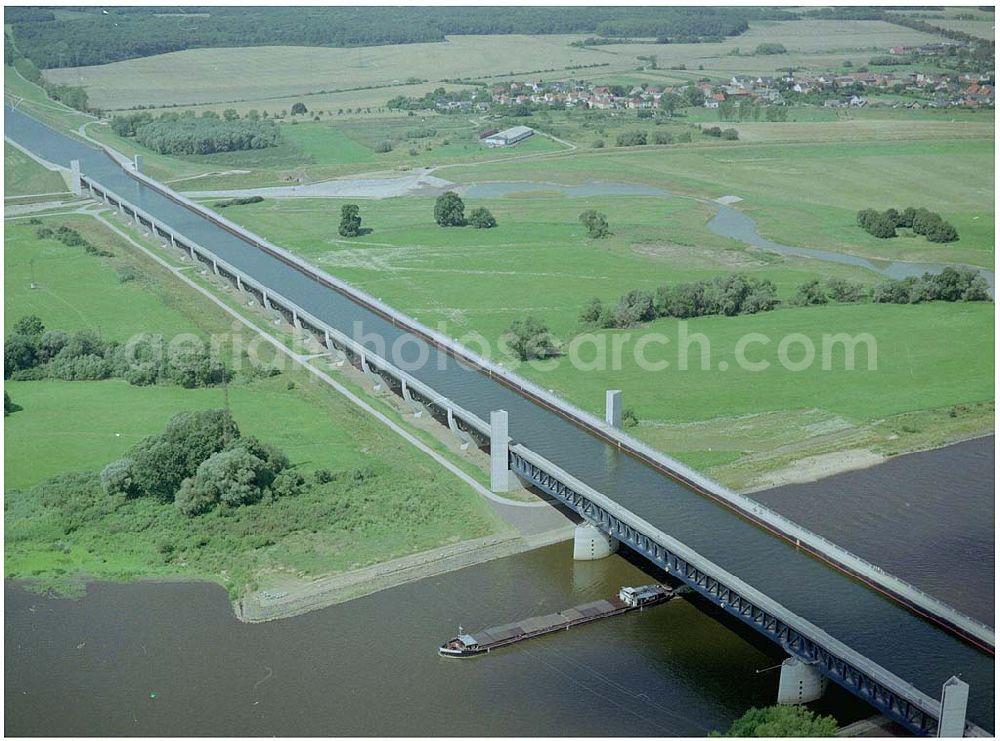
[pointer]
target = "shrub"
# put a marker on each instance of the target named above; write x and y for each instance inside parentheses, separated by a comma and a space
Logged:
(128, 273)
(596, 223)
(662, 137)
(629, 417)
(481, 218)
(631, 139)
(598, 144)
(846, 291)
(383, 146)
(529, 338)
(299, 109)
(730, 135)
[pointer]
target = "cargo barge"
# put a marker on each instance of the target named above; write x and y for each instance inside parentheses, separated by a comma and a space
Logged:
(467, 645)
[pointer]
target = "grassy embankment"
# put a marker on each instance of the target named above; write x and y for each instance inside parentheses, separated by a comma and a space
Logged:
(24, 177)
(931, 358)
(386, 500)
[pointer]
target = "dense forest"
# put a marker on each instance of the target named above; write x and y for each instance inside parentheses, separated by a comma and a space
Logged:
(100, 36)
(174, 133)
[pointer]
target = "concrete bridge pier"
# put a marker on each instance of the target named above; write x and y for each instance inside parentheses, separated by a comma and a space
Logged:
(591, 543)
(374, 377)
(337, 357)
(74, 178)
(464, 439)
(613, 408)
(137, 163)
(954, 700)
(415, 406)
(799, 683)
(501, 477)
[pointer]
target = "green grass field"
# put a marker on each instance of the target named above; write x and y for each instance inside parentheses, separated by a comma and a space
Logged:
(809, 194)
(25, 177)
(386, 500)
(539, 261)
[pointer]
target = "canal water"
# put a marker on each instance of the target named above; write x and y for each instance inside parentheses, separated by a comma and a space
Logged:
(170, 658)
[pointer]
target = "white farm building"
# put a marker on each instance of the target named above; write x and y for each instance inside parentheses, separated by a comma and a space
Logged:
(508, 136)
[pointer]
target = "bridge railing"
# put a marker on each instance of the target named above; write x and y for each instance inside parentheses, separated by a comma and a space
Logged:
(763, 516)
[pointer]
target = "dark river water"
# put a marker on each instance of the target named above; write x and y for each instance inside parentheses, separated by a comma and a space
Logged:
(170, 658)
(92, 666)
(944, 502)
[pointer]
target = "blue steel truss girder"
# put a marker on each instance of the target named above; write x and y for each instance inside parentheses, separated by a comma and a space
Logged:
(731, 601)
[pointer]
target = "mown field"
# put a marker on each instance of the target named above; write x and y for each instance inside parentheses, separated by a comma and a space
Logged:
(385, 500)
(263, 74)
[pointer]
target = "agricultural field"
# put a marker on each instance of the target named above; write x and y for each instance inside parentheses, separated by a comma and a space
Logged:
(80, 425)
(260, 74)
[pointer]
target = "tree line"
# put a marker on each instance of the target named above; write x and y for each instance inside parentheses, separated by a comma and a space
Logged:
(110, 34)
(883, 224)
(174, 133)
(723, 295)
(31, 352)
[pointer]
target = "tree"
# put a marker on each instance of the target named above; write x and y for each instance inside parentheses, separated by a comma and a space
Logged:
(596, 223)
(670, 102)
(118, 477)
(449, 209)
(810, 294)
(299, 109)
(782, 721)
(29, 325)
(350, 220)
(481, 218)
(529, 338)
(163, 461)
(229, 477)
(230, 114)
(694, 96)
(634, 307)
(19, 353)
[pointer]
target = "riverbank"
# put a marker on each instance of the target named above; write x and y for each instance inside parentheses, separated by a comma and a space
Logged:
(284, 595)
